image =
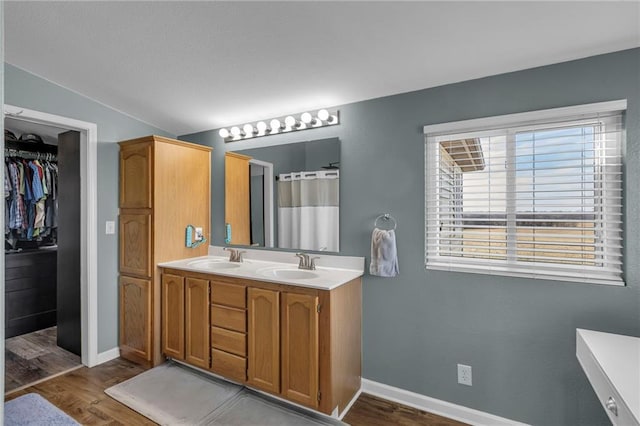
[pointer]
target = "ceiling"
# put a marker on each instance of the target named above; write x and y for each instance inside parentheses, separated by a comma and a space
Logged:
(192, 66)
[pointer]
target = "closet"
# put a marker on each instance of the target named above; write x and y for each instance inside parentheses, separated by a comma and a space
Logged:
(42, 250)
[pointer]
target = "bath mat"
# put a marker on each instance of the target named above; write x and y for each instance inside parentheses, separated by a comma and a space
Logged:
(32, 409)
(251, 408)
(173, 394)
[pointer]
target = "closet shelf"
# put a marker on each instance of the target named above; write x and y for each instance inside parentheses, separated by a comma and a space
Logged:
(31, 147)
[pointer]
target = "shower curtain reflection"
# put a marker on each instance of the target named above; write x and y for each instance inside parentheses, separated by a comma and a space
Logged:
(309, 210)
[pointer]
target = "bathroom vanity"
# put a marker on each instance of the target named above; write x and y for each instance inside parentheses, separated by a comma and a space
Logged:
(290, 332)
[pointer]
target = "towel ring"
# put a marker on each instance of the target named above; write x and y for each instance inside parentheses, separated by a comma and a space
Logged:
(386, 217)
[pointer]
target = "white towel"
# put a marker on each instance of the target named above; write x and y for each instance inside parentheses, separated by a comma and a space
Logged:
(384, 254)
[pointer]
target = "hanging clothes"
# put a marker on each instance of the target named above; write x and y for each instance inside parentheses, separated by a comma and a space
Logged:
(30, 200)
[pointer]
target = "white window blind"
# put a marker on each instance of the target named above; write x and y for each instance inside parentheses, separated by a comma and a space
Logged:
(536, 198)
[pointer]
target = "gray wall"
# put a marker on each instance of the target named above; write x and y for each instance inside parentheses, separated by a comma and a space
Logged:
(320, 153)
(285, 158)
(29, 91)
(517, 334)
(293, 157)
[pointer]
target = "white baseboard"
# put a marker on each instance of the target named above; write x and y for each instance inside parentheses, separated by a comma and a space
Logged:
(346, 409)
(435, 406)
(107, 356)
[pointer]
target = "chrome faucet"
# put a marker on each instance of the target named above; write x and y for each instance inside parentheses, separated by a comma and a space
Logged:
(235, 255)
(306, 262)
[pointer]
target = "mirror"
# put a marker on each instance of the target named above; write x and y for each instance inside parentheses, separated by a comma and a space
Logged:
(284, 196)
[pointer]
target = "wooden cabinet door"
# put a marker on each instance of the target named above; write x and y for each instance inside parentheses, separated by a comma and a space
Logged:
(135, 244)
(135, 176)
(300, 348)
(173, 316)
(264, 339)
(135, 317)
(197, 310)
(237, 211)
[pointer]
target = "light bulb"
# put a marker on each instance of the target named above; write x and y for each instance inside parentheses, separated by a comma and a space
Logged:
(275, 125)
(332, 119)
(290, 122)
(248, 130)
(261, 126)
(235, 131)
(306, 118)
(224, 133)
(323, 114)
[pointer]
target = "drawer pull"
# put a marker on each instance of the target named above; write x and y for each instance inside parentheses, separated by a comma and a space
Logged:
(612, 406)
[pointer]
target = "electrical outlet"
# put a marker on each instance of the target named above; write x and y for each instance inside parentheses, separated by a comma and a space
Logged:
(199, 235)
(110, 227)
(464, 374)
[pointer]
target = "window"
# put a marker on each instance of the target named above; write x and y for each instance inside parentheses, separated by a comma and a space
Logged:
(536, 194)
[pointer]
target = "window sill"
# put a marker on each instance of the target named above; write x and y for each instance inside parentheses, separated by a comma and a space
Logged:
(506, 272)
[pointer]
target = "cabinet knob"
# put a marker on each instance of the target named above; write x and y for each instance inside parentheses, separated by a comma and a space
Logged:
(612, 406)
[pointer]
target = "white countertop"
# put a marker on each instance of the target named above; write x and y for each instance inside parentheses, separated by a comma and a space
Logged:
(618, 358)
(255, 267)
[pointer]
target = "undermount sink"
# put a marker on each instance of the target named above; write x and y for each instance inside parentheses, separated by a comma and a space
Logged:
(213, 264)
(288, 274)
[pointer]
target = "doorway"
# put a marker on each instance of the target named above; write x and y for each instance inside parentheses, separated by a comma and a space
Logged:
(42, 256)
(86, 134)
(261, 203)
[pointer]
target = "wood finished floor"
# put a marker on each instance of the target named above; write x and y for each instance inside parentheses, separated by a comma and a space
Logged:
(35, 356)
(371, 410)
(80, 394)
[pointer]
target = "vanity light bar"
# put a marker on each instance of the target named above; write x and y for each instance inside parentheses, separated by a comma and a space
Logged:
(287, 124)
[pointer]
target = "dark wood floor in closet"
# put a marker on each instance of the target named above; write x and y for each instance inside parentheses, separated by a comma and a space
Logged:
(80, 394)
(35, 356)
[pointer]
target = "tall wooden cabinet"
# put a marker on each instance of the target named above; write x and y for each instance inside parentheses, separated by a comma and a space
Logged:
(165, 185)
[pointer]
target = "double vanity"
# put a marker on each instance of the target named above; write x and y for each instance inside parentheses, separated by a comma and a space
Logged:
(266, 323)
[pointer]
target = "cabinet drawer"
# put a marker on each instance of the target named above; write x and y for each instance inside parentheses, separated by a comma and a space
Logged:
(228, 295)
(228, 365)
(229, 318)
(229, 341)
(613, 404)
